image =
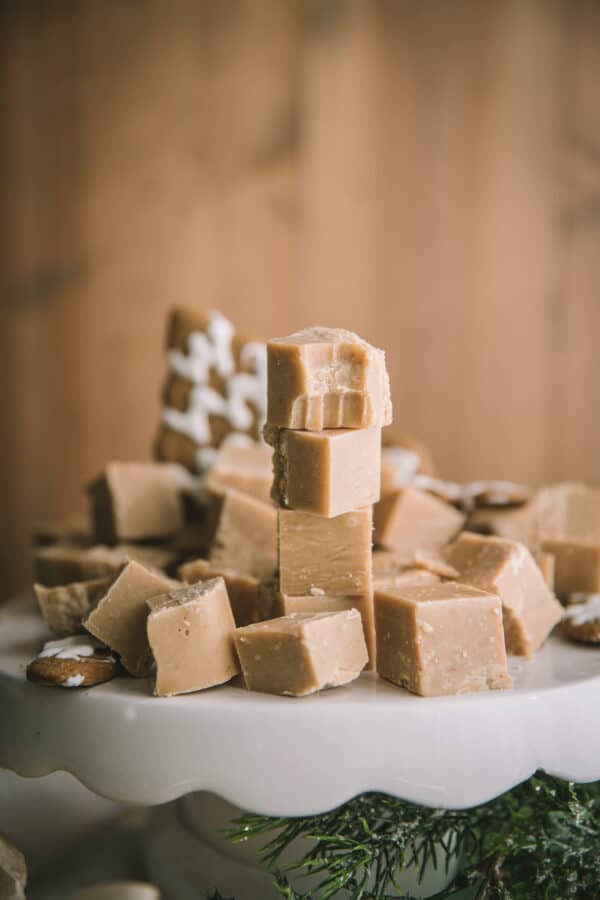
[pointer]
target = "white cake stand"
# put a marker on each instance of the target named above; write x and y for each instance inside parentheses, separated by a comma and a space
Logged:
(290, 757)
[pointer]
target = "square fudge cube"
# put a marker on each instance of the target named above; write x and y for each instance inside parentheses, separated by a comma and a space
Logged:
(190, 632)
(244, 534)
(408, 519)
(508, 569)
(325, 472)
(569, 529)
(284, 605)
(443, 638)
(134, 501)
(245, 468)
(119, 619)
(65, 606)
(241, 588)
(326, 378)
(302, 653)
(328, 555)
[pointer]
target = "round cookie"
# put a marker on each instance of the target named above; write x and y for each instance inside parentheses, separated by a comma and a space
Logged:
(581, 621)
(497, 494)
(76, 661)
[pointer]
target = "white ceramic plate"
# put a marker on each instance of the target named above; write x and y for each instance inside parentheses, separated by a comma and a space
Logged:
(286, 756)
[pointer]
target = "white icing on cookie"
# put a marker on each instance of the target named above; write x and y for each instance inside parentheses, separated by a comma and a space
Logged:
(206, 351)
(584, 613)
(73, 681)
(450, 489)
(404, 462)
(214, 351)
(74, 647)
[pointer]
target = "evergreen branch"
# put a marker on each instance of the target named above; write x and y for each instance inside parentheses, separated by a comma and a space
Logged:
(540, 840)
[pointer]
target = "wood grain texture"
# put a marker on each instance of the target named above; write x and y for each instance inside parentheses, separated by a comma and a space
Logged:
(426, 174)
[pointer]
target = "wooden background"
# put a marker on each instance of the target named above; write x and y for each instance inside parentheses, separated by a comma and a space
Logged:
(425, 173)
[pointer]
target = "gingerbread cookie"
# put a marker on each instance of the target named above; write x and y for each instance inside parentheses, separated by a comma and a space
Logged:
(581, 621)
(215, 391)
(448, 491)
(77, 661)
(496, 494)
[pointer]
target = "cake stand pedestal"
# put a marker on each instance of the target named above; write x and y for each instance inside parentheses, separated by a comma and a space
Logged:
(289, 757)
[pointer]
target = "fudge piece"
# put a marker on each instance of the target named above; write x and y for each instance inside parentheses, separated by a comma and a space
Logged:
(386, 562)
(72, 662)
(62, 564)
(581, 621)
(215, 391)
(319, 603)
(245, 534)
(508, 569)
(246, 468)
(63, 607)
(409, 519)
(242, 589)
(433, 561)
(119, 619)
(326, 378)
(569, 528)
(330, 555)
(514, 524)
(546, 565)
(440, 639)
(73, 529)
(325, 472)
(13, 871)
(406, 577)
(190, 632)
(302, 653)
(135, 501)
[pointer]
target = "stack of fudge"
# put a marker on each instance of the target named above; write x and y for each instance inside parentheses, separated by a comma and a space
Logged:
(265, 566)
(328, 399)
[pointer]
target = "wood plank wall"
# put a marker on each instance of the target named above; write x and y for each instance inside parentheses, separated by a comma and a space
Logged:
(427, 174)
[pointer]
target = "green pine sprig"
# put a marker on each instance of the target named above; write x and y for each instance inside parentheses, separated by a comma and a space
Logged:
(540, 840)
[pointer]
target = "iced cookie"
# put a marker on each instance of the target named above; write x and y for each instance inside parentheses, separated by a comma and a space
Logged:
(76, 661)
(581, 621)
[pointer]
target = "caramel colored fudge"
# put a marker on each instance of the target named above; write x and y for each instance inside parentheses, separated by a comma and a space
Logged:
(327, 473)
(62, 564)
(404, 578)
(508, 569)
(190, 632)
(119, 619)
(546, 565)
(245, 534)
(514, 524)
(441, 639)
(242, 589)
(329, 555)
(245, 468)
(326, 378)
(73, 529)
(569, 528)
(64, 607)
(319, 603)
(134, 501)
(409, 519)
(302, 653)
